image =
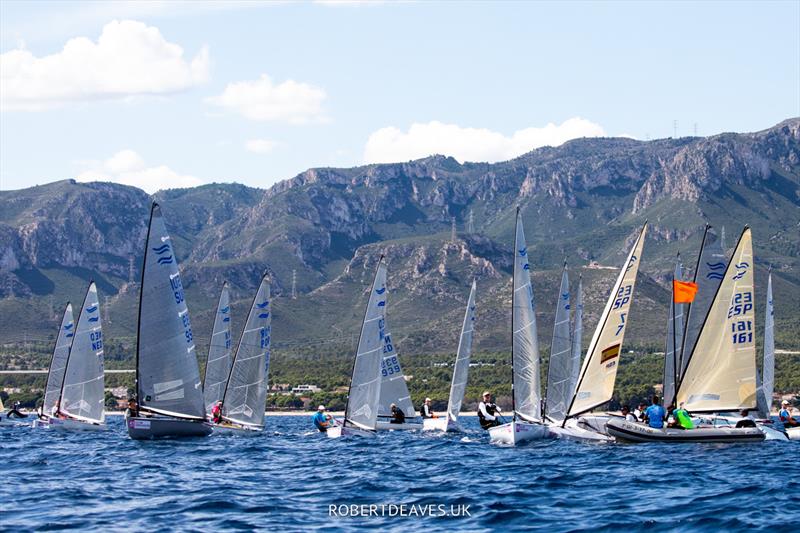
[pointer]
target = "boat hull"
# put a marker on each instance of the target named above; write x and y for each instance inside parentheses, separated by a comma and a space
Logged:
(235, 429)
(582, 430)
(723, 421)
(67, 424)
(144, 428)
(793, 433)
(626, 431)
(383, 426)
(339, 431)
(441, 424)
(517, 432)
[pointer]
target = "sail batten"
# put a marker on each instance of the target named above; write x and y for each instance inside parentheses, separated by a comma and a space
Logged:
(245, 393)
(599, 371)
(559, 372)
(525, 343)
(58, 362)
(82, 393)
(167, 373)
(220, 352)
(365, 383)
(721, 371)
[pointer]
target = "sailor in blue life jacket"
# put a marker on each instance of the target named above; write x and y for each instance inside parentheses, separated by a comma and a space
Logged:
(654, 415)
(427, 410)
(322, 420)
(398, 416)
(786, 417)
(488, 412)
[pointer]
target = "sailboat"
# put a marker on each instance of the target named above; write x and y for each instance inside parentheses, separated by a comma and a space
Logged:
(168, 387)
(361, 412)
(58, 366)
(220, 353)
(525, 394)
(245, 395)
(720, 371)
(460, 371)
(558, 391)
(598, 374)
(393, 387)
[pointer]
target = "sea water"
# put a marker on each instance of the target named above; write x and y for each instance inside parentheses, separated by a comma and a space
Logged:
(292, 478)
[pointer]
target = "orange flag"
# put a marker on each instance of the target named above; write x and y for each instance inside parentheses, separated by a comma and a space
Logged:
(683, 291)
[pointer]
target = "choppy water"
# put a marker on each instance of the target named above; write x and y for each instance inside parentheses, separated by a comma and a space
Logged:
(287, 478)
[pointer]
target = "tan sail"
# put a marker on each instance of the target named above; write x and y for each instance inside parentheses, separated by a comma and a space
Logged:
(721, 374)
(599, 371)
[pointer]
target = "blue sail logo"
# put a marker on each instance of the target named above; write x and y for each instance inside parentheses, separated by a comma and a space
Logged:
(526, 266)
(381, 290)
(263, 315)
(225, 310)
(382, 303)
(68, 326)
(716, 269)
(226, 319)
(161, 249)
(93, 318)
(523, 252)
(164, 260)
(91, 309)
(263, 304)
(743, 266)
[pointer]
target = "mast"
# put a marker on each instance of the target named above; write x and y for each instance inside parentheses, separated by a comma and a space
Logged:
(139, 312)
(513, 295)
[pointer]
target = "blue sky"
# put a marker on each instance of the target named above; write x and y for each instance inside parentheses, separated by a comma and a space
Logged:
(184, 93)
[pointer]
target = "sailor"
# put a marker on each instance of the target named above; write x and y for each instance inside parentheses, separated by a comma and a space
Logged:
(132, 411)
(427, 410)
(654, 415)
(682, 418)
(54, 410)
(626, 412)
(639, 411)
(216, 412)
(14, 412)
(322, 420)
(398, 416)
(786, 417)
(488, 412)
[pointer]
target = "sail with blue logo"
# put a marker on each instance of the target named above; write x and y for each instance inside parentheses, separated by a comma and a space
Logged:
(559, 371)
(577, 340)
(365, 384)
(721, 371)
(245, 394)
(599, 371)
(674, 341)
(525, 344)
(168, 376)
(83, 393)
(708, 274)
(393, 384)
(220, 352)
(461, 367)
(58, 363)
(767, 376)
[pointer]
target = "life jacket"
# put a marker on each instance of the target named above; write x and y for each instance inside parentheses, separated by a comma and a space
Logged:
(216, 413)
(490, 408)
(422, 411)
(683, 419)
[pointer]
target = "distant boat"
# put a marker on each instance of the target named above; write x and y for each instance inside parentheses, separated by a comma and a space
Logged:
(525, 392)
(393, 386)
(720, 373)
(460, 371)
(361, 412)
(58, 367)
(595, 385)
(168, 386)
(559, 388)
(81, 402)
(245, 394)
(220, 353)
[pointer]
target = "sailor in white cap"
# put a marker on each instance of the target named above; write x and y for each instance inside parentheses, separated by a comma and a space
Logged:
(427, 410)
(786, 416)
(322, 419)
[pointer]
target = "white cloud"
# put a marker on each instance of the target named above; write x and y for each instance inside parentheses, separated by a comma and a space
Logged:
(128, 168)
(260, 146)
(390, 144)
(291, 101)
(129, 59)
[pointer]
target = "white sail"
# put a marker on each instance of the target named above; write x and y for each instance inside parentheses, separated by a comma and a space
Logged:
(708, 274)
(393, 384)
(525, 344)
(599, 371)
(577, 340)
(167, 374)
(768, 370)
(721, 372)
(674, 341)
(461, 366)
(365, 384)
(220, 353)
(559, 371)
(83, 393)
(244, 399)
(58, 363)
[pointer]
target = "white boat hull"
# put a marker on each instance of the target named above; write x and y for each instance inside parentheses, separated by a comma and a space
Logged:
(443, 423)
(582, 430)
(793, 433)
(338, 431)
(517, 432)
(67, 424)
(235, 429)
(722, 421)
(626, 431)
(383, 426)
(143, 428)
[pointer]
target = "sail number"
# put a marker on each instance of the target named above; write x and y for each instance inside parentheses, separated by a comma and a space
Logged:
(97, 340)
(387, 344)
(187, 328)
(227, 339)
(742, 303)
(265, 336)
(390, 366)
(742, 331)
(623, 296)
(177, 288)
